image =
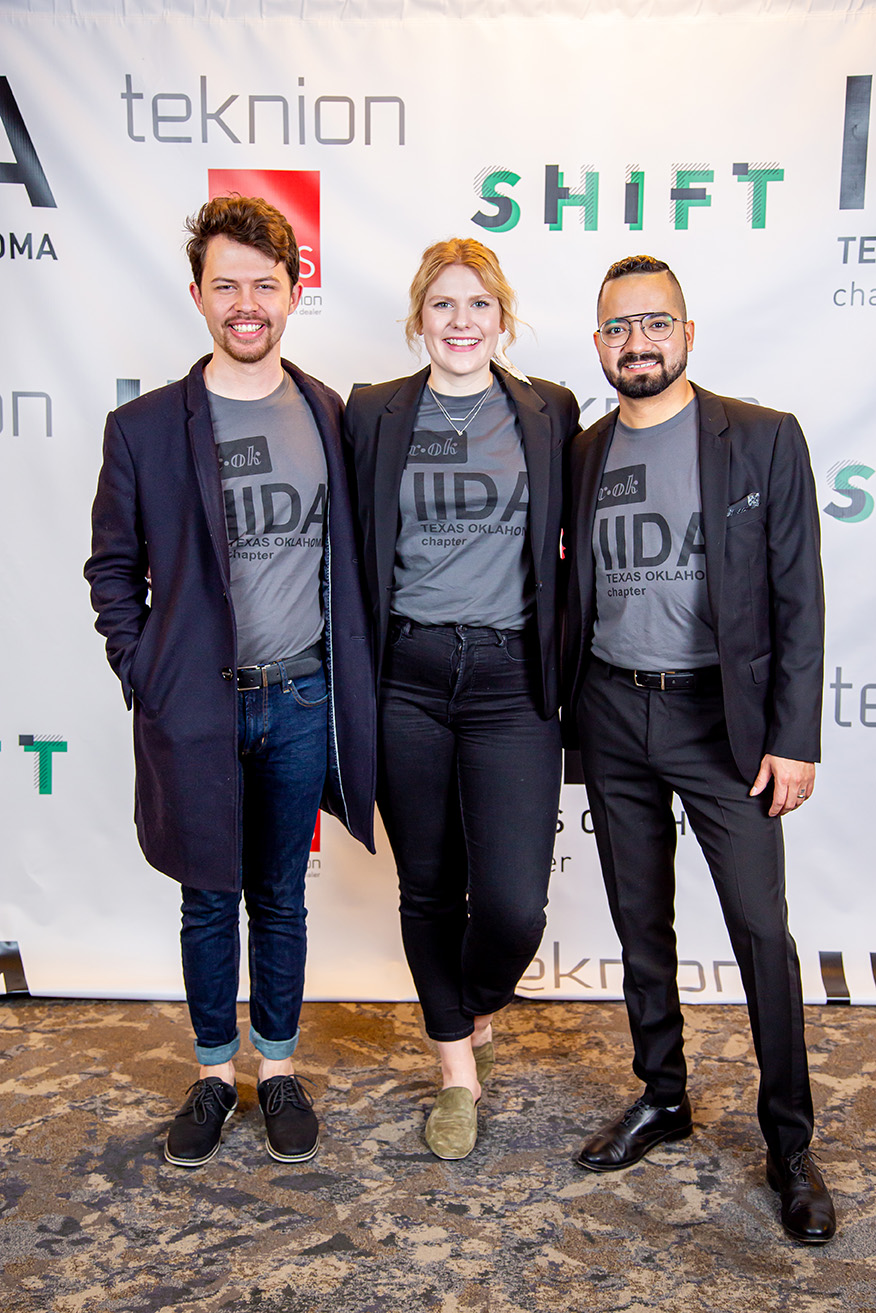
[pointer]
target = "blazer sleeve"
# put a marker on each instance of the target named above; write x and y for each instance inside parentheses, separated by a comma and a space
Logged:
(796, 599)
(118, 565)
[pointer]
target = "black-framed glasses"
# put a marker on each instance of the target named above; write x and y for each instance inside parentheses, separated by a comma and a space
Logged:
(656, 326)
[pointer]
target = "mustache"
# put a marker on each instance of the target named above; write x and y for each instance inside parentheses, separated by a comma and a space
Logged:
(634, 357)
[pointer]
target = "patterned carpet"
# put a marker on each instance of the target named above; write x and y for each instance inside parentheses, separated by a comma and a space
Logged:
(94, 1221)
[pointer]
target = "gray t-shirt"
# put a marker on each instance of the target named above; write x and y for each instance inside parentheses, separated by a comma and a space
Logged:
(462, 555)
(652, 605)
(274, 480)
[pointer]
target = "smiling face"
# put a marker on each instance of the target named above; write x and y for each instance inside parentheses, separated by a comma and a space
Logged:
(462, 324)
(246, 299)
(642, 368)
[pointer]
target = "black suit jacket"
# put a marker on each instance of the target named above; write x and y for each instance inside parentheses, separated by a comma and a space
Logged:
(159, 507)
(379, 421)
(761, 529)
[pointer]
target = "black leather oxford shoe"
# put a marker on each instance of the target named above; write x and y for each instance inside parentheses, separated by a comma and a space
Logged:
(627, 1139)
(807, 1208)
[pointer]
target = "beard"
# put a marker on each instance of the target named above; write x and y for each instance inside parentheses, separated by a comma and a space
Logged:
(246, 354)
(645, 385)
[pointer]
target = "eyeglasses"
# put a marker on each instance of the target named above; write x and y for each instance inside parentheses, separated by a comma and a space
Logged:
(656, 327)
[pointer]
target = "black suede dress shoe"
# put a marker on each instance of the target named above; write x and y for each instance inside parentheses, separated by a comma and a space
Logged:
(807, 1208)
(196, 1131)
(627, 1139)
(290, 1122)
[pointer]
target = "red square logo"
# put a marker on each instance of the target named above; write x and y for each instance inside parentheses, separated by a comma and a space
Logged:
(294, 192)
(314, 846)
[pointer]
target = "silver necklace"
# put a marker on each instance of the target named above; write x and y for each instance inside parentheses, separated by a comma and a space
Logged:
(459, 420)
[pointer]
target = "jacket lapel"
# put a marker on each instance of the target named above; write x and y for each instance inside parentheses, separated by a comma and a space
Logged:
(325, 421)
(591, 478)
(395, 425)
(203, 448)
(588, 457)
(714, 453)
(535, 429)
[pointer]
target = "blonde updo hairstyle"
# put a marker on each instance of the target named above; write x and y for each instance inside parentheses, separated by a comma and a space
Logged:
(474, 255)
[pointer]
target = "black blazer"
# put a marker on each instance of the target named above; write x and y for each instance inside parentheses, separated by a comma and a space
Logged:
(159, 506)
(379, 422)
(761, 529)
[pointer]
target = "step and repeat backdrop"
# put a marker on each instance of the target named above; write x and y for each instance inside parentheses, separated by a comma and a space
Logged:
(735, 144)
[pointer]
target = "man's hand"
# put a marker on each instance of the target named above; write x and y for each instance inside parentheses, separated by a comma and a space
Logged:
(793, 782)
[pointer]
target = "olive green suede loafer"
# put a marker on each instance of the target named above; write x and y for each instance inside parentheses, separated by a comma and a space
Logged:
(484, 1056)
(452, 1128)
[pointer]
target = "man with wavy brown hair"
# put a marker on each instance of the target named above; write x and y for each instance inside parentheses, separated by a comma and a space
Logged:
(225, 581)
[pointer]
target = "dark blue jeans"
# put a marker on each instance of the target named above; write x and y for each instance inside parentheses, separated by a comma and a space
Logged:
(282, 747)
(468, 787)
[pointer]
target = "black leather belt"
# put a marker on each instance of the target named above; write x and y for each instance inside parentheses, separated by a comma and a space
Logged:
(277, 672)
(707, 679)
(398, 622)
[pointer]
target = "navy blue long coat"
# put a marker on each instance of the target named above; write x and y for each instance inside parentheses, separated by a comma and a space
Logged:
(159, 507)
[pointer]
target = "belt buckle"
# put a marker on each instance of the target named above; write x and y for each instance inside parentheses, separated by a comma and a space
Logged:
(636, 674)
(648, 672)
(263, 676)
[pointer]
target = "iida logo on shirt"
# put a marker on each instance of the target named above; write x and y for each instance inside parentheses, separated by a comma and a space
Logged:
(295, 193)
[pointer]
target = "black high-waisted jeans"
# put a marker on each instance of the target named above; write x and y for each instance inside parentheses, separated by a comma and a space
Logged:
(468, 787)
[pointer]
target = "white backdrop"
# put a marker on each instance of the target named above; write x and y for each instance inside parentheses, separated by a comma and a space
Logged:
(730, 139)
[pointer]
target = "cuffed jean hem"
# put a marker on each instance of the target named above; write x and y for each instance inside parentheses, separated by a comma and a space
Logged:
(274, 1049)
(216, 1056)
(448, 1039)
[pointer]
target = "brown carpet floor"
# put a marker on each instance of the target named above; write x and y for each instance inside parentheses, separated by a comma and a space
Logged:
(94, 1221)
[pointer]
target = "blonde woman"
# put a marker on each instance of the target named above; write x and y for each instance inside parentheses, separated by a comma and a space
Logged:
(458, 473)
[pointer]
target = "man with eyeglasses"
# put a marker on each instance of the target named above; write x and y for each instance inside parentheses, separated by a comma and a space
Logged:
(693, 664)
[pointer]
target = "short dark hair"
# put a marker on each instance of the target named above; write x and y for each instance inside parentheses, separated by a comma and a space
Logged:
(640, 264)
(249, 220)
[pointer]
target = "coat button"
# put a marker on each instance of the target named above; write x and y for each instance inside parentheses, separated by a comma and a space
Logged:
(226, 672)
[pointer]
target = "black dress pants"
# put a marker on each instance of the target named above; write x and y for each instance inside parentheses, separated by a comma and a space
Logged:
(468, 788)
(639, 747)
